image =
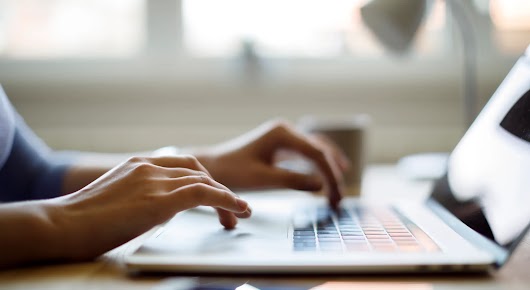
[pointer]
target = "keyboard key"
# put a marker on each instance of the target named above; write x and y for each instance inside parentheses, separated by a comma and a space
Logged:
(330, 239)
(349, 227)
(346, 234)
(333, 231)
(320, 236)
(356, 238)
(362, 229)
(304, 233)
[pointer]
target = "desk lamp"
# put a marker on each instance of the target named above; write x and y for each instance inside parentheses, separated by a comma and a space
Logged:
(395, 24)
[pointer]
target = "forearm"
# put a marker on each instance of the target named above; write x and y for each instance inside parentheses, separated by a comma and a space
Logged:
(28, 234)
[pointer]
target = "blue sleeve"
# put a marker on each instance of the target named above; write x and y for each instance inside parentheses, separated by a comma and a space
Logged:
(32, 170)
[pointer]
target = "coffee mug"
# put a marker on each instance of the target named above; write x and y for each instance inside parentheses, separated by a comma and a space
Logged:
(348, 133)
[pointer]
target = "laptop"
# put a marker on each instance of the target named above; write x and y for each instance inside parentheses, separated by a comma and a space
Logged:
(474, 219)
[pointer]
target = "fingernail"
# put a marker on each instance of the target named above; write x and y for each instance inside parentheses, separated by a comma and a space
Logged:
(249, 211)
(243, 205)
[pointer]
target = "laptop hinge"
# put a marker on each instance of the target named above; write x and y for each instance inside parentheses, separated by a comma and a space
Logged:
(499, 253)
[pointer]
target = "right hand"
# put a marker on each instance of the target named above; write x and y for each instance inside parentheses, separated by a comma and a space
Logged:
(135, 196)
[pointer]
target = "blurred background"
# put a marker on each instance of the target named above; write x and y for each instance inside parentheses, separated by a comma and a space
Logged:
(127, 75)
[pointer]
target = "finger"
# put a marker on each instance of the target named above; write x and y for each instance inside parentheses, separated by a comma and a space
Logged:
(323, 160)
(182, 172)
(194, 177)
(181, 161)
(338, 154)
(226, 218)
(245, 214)
(196, 194)
(294, 180)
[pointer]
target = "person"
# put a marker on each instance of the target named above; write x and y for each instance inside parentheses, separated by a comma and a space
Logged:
(73, 206)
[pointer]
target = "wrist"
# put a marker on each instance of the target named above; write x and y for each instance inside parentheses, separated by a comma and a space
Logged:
(71, 231)
(29, 234)
(57, 231)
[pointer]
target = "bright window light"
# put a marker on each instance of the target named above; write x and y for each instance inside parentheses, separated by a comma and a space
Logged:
(288, 28)
(510, 14)
(511, 20)
(65, 28)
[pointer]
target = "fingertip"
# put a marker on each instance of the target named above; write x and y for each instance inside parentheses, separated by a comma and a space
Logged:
(334, 197)
(243, 205)
(245, 214)
(228, 221)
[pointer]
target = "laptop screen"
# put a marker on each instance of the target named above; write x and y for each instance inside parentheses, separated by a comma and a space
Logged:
(487, 185)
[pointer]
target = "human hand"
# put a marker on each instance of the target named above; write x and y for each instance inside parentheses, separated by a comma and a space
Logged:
(248, 162)
(135, 196)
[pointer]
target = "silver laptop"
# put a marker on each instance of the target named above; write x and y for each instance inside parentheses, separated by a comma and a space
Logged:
(473, 220)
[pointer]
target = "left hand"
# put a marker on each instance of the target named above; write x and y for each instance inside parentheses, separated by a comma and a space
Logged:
(248, 162)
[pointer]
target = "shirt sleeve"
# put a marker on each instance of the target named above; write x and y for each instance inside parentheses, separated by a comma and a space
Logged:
(32, 170)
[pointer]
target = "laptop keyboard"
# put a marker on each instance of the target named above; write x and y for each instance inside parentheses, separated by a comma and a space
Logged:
(359, 229)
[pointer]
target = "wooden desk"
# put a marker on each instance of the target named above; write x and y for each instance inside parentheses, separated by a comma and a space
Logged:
(380, 182)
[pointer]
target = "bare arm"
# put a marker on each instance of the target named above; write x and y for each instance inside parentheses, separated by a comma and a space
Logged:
(120, 205)
(28, 233)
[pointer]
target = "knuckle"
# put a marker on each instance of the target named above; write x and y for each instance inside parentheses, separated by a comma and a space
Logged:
(203, 178)
(136, 159)
(320, 155)
(278, 128)
(143, 168)
(191, 161)
(279, 122)
(281, 125)
(189, 158)
(198, 179)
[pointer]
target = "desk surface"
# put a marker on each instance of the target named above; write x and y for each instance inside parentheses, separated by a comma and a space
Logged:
(380, 182)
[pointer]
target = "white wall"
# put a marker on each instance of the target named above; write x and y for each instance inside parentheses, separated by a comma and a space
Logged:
(416, 105)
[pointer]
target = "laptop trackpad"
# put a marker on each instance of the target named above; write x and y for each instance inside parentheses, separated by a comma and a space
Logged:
(199, 232)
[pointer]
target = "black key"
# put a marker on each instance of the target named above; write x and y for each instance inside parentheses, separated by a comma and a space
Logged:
(305, 244)
(327, 229)
(304, 233)
(327, 232)
(328, 236)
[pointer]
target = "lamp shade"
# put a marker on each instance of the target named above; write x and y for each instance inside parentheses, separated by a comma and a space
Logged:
(394, 22)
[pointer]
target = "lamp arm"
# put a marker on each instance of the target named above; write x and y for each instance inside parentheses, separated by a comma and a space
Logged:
(469, 48)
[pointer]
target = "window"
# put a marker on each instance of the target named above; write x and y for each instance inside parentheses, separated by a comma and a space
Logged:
(55, 29)
(511, 21)
(294, 28)
(65, 28)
